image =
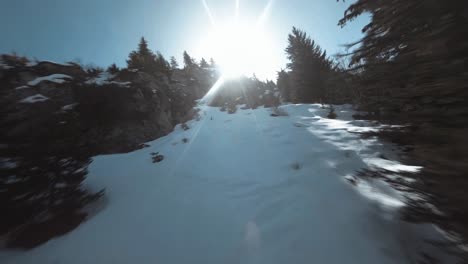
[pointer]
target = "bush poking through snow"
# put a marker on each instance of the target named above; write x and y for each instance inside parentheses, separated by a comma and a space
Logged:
(157, 157)
(231, 108)
(275, 111)
(185, 140)
(296, 166)
(185, 126)
(332, 114)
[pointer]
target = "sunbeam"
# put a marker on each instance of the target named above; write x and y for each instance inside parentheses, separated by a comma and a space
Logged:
(208, 12)
(208, 98)
(263, 17)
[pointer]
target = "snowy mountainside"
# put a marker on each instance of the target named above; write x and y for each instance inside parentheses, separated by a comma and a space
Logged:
(246, 187)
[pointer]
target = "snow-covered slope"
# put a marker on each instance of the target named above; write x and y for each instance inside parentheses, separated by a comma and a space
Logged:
(236, 188)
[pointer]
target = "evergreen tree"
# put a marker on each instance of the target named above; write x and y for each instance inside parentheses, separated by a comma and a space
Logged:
(410, 48)
(162, 65)
(46, 179)
(113, 69)
(411, 66)
(143, 58)
(309, 68)
(189, 62)
(213, 63)
(204, 64)
(284, 86)
(174, 63)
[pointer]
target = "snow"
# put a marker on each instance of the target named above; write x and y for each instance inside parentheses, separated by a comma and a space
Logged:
(58, 63)
(105, 78)
(344, 133)
(34, 99)
(32, 64)
(56, 78)
(22, 87)
(69, 107)
(245, 188)
(6, 163)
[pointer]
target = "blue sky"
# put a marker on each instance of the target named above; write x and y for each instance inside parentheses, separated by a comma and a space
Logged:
(105, 31)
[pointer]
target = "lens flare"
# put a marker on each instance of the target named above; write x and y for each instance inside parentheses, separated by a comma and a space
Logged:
(239, 46)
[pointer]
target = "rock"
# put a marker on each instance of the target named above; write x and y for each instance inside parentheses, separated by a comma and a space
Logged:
(353, 180)
(158, 158)
(48, 67)
(111, 119)
(26, 76)
(143, 145)
(185, 126)
(332, 114)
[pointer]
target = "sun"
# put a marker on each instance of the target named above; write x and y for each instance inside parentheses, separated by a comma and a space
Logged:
(240, 47)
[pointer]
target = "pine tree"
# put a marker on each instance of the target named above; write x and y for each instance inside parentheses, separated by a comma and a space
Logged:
(213, 63)
(410, 48)
(411, 67)
(143, 58)
(162, 65)
(284, 85)
(174, 63)
(188, 61)
(204, 64)
(113, 69)
(309, 68)
(46, 179)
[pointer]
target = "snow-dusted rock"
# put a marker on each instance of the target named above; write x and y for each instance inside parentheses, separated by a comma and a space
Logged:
(34, 99)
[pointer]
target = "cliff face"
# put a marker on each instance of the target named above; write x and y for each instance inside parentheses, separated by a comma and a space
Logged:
(103, 112)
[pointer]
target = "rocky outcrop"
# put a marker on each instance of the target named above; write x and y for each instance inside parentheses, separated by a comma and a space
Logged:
(106, 113)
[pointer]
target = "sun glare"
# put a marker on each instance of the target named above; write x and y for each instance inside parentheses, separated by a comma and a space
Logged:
(240, 47)
(241, 50)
